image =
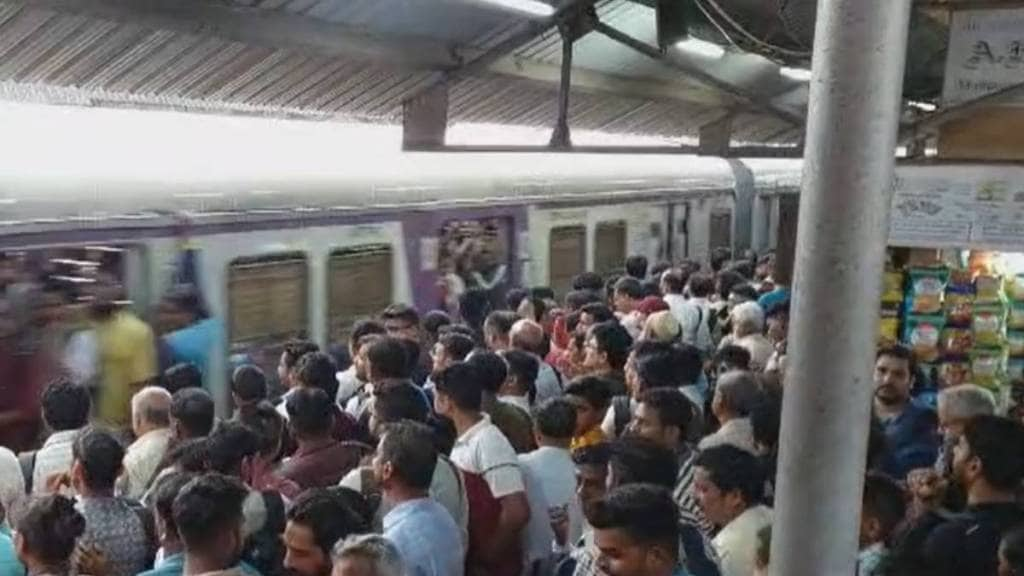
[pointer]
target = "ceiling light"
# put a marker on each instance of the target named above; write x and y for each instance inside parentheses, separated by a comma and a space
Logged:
(922, 106)
(702, 48)
(796, 74)
(531, 7)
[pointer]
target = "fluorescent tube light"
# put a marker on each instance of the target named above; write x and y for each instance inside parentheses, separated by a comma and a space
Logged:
(531, 7)
(701, 48)
(796, 74)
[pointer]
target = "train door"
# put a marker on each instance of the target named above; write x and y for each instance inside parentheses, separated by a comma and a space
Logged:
(678, 244)
(567, 257)
(609, 247)
(359, 286)
(477, 254)
(720, 229)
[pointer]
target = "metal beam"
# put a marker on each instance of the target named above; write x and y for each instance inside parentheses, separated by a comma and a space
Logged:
(969, 4)
(935, 120)
(860, 50)
(734, 152)
(257, 27)
(668, 58)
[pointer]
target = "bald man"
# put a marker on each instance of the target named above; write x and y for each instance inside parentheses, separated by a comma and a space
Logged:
(151, 423)
(529, 336)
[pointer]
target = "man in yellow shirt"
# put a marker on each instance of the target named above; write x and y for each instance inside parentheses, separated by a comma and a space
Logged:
(127, 360)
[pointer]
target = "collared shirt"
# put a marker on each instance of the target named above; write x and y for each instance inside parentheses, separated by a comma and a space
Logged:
(736, 543)
(556, 475)
(689, 510)
(322, 464)
(484, 450)
(142, 461)
(427, 538)
(911, 441)
(115, 528)
(127, 351)
(737, 432)
(174, 565)
(53, 458)
(194, 344)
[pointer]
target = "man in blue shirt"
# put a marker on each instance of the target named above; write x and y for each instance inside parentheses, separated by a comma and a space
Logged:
(636, 531)
(422, 530)
(911, 437)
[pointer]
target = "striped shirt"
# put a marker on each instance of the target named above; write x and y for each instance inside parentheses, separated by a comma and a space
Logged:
(689, 509)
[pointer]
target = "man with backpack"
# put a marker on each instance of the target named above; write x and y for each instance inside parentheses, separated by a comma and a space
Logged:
(498, 514)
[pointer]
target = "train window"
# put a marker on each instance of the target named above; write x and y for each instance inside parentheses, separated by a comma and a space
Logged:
(359, 285)
(267, 300)
(720, 228)
(609, 247)
(567, 257)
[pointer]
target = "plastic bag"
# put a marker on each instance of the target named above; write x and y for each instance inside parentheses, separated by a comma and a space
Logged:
(927, 286)
(987, 289)
(922, 334)
(988, 326)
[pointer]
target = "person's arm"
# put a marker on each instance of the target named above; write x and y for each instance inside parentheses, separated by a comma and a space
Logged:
(515, 513)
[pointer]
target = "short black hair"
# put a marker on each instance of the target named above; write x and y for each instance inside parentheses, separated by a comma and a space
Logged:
(542, 293)
(295, 349)
(555, 418)
(501, 321)
(766, 419)
(745, 290)
(900, 352)
(655, 364)
(403, 312)
(636, 266)
(599, 311)
(318, 370)
(576, 299)
(181, 376)
(614, 341)
(636, 460)
(524, 367)
(672, 406)
(399, 401)
(457, 346)
(651, 287)
(329, 514)
(491, 370)
(100, 453)
(647, 514)
(388, 358)
(594, 390)
(658, 268)
(736, 356)
(701, 285)
(194, 410)
(1013, 549)
(409, 448)
(208, 505)
(591, 281)
(249, 383)
(594, 455)
(630, 287)
(310, 412)
(434, 320)
(997, 442)
(66, 405)
(732, 469)
(165, 491)
(268, 424)
(515, 297)
(674, 281)
(229, 444)
(474, 304)
(461, 383)
(364, 328)
(461, 329)
(412, 355)
(885, 501)
(50, 528)
(190, 455)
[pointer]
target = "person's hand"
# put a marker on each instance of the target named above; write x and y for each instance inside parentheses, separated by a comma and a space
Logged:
(91, 561)
(57, 483)
(927, 489)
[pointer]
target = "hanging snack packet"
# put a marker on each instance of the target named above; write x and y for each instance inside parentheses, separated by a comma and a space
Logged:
(987, 289)
(922, 334)
(959, 308)
(1015, 369)
(1015, 343)
(988, 326)
(1015, 288)
(1015, 321)
(954, 373)
(957, 341)
(927, 286)
(892, 287)
(987, 367)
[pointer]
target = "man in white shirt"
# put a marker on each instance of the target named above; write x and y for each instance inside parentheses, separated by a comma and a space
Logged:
(694, 318)
(728, 484)
(735, 396)
(482, 449)
(552, 466)
(66, 408)
(151, 423)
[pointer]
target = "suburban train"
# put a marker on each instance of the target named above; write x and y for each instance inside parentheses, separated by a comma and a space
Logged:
(280, 258)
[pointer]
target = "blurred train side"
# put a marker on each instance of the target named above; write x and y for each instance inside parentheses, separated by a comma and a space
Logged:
(308, 256)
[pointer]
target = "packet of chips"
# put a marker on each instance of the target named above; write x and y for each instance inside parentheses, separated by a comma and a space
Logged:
(954, 373)
(957, 341)
(1015, 343)
(988, 326)
(927, 285)
(959, 308)
(987, 289)
(987, 367)
(1015, 288)
(892, 287)
(923, 335)
(1015, 319)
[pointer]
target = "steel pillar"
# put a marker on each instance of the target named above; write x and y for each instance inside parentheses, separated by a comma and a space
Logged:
(859, 56)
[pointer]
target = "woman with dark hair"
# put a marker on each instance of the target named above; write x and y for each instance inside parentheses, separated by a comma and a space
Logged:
(47, 536)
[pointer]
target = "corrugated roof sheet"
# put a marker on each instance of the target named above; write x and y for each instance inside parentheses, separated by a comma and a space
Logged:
(108, 60)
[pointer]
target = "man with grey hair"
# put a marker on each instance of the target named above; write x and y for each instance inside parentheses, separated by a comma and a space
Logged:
(151, 423)
(957, 405)
(367, 555)
(528, 336)
(747, 321)
(735, 396)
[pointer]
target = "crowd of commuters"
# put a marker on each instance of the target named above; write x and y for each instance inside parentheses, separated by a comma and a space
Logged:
(629, 429)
